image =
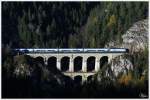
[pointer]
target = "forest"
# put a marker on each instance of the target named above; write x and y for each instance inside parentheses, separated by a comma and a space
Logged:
(68, 25)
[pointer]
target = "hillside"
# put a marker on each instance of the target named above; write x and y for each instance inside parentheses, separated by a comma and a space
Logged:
(67, 24)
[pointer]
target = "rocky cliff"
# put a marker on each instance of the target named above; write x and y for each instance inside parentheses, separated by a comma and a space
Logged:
(136, 40)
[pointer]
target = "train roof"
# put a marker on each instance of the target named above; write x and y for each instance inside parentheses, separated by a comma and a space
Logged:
(65, 48)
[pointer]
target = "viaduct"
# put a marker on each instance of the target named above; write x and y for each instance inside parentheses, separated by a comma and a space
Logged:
(77, 65)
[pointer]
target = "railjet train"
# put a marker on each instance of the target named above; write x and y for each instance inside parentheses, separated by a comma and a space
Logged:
(77, 50)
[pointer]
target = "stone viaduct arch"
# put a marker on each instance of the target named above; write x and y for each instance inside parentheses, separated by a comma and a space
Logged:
(90, 78)
(52, 62)
(78, 79)
(87, 63)
(65, 63)
(39, 59)
(103, 61)
(90, 63)
(78, 63)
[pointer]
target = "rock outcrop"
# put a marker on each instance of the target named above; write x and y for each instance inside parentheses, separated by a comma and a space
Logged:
(135, 38)
(121, 65)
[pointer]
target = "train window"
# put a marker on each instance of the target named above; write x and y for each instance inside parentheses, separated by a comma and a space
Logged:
(76, 50)
(51, 50)
(100, 50)
(90, 50)
(38, 50)
(66, 50)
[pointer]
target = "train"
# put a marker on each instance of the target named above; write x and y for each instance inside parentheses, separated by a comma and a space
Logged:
(72, 50)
